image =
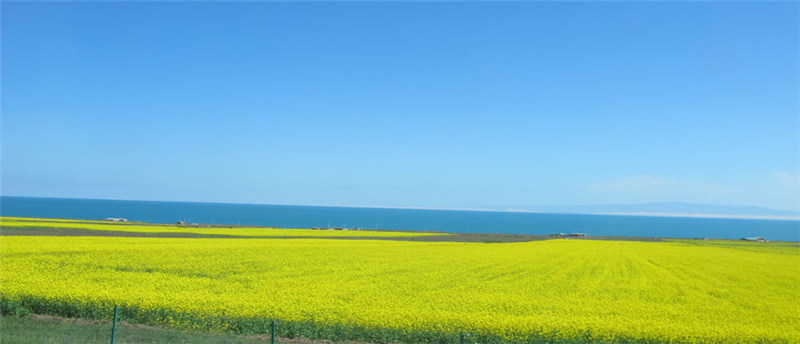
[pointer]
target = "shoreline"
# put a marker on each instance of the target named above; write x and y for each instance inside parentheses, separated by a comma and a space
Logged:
(38, 228)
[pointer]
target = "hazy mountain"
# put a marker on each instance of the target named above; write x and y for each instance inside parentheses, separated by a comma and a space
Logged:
(675, 208)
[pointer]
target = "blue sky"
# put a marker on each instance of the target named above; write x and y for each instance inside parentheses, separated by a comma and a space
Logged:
(429, 104)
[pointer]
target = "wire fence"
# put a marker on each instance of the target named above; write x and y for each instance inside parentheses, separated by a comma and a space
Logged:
(462, 337)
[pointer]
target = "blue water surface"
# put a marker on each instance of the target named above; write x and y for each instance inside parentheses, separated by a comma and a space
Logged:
(290, 216)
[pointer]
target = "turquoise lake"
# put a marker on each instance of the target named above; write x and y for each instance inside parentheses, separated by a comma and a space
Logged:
(288, 216)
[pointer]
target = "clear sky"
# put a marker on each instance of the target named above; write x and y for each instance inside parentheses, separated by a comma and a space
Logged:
(430, 104)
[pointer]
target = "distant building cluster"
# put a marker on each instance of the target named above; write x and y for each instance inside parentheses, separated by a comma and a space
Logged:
(189, 224)
(335, 229)
(570, 235)
(759, 239)
(116, 219)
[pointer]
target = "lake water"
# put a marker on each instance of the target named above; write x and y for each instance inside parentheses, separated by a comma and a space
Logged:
(288, 216)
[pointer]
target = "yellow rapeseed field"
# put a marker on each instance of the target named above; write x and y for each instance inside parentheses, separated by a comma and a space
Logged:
(46, 220)
(9, 222)
(581, 290)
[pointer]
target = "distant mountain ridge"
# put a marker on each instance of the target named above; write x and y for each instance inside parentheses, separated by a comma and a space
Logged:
(676, 208)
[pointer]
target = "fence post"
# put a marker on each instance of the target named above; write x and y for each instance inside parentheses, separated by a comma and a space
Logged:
(461, 338)
(114, 324)
(272, 331)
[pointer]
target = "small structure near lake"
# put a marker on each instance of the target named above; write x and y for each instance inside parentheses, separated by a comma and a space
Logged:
(192, 224)
(570, 235)
(335, 229)
(116, 219)
(759, 239)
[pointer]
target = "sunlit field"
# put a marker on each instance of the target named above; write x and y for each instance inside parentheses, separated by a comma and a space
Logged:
(383, 290)
(11, 223)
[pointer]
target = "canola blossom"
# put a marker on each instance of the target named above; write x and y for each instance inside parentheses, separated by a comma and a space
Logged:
(7, 222)
(545, 291)
(46, 220)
